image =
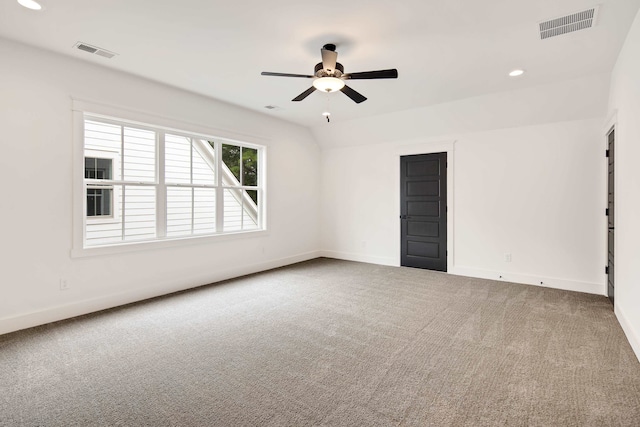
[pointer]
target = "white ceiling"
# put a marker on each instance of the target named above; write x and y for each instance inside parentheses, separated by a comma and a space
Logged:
(443, 50)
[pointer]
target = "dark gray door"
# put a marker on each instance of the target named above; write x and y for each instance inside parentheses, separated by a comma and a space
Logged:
(423, 211)
(610, 214)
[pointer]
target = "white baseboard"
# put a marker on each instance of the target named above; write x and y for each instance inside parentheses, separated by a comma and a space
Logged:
(79, 308)
(547, 282)
(632, 335)
(370, 259)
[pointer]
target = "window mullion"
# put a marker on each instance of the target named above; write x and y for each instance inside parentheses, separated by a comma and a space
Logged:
(161, 187)
(260, 184)
(241, 182)
(123, 189)
(259, 210)
(219, 189)
(193, 197)
(193, 191)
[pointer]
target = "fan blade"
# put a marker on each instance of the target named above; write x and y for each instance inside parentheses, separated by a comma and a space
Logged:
(329, 58)
(304, 94)
(355, 96)
(266, 73)
(380, 74)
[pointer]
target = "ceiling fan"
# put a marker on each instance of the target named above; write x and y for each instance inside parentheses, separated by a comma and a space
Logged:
(330, 76)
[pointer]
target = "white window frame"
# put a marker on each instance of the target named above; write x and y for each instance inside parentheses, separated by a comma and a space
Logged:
(83, 109)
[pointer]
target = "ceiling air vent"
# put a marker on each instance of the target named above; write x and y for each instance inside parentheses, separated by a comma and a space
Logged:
(95, 50)
(567, 24)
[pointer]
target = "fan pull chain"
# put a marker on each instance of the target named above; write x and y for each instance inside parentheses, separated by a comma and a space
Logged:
(326, 114)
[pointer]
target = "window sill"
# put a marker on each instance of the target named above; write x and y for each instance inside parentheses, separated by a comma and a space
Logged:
(163, 244)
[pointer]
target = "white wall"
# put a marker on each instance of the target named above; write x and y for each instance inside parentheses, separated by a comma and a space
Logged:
(624, 109)
(36, 168)
(533, 187)
(569, 100)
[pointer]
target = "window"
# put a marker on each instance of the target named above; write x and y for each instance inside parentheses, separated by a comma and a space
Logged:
(99, 201)
(146, 183)
(99, 197)
(240, 180)
(190, 165)
(97, 168)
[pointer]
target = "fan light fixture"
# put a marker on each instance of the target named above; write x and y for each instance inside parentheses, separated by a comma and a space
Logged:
(516, 73)
(328, 84)
(30, 4)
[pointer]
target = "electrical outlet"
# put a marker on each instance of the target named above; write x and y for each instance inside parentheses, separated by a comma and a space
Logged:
(64, 284)
(507, 257)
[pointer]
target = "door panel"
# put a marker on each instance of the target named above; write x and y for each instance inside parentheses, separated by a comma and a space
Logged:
(422, 229)
(423, 188)
(422, 249)
(431, 209)
(426, 167)
(423, 198)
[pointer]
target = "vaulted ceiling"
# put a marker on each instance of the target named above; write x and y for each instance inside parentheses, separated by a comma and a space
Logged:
(443, 50)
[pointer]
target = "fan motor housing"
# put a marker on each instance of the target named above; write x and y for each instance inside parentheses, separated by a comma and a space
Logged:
(320, 72)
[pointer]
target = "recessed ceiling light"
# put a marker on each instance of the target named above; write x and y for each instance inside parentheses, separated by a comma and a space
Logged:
(516, 73)
(30, 4)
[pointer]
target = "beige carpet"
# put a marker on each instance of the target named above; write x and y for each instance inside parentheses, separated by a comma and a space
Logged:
(330, 343)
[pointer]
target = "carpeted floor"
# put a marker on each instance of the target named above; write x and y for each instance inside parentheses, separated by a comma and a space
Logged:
(332, 343)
